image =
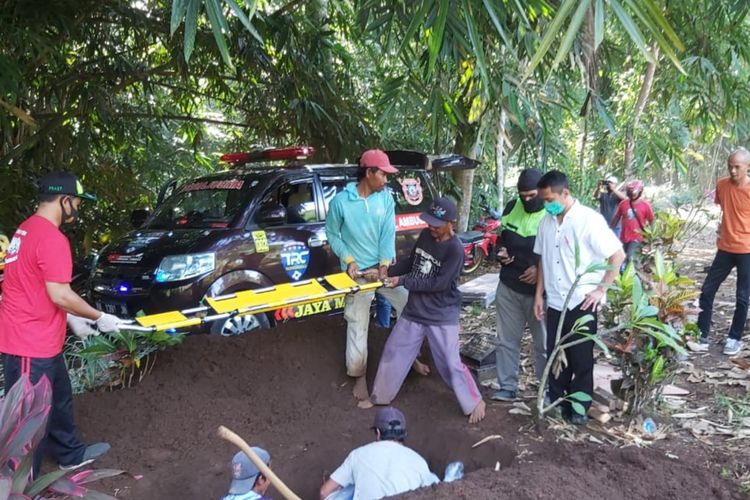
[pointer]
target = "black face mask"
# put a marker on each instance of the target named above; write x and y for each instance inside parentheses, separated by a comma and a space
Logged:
(71, 216)
(535, 204)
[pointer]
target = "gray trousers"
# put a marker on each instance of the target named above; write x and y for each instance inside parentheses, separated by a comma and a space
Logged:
(401, 350)
(515, 311)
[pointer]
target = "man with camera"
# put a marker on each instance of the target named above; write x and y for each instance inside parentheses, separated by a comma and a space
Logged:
(609, 197)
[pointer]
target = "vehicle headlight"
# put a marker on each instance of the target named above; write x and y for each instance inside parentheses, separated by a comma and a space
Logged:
(182, 267)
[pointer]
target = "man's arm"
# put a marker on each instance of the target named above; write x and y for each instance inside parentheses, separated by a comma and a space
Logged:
(66, 299)
(539, 293)
(649, 213)
(619, 194)
(328, 487)
(343, 476)
(594, 298)
(387, 242)
(597, 191)
(616, 219)
(334, 223)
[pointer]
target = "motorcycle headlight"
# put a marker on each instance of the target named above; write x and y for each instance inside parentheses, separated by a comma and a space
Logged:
(182, 267)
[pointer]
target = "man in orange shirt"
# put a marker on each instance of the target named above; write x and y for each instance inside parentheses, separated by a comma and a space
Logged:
(733, 244)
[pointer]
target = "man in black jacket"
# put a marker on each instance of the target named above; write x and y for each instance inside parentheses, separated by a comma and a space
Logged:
(514, 299)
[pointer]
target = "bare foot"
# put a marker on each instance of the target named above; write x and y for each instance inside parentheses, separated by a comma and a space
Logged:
(420, 368)
(365, 404)
(478, 414)
(360, 389)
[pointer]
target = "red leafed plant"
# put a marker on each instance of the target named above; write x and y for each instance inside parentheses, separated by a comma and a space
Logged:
(23, 421)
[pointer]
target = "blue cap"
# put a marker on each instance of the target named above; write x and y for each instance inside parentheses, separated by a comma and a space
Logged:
(244, 471)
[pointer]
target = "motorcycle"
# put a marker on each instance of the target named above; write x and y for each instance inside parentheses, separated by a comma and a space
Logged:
(480, 242)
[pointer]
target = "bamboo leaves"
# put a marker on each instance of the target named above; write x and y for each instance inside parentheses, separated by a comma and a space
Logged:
(188, 11)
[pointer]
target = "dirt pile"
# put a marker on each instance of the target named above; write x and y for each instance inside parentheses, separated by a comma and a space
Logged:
(286, 389)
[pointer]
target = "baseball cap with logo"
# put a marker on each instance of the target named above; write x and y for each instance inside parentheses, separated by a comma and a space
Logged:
(441, 211)
(245, 472)
(389, 418)
(377, 158)
(63, 183)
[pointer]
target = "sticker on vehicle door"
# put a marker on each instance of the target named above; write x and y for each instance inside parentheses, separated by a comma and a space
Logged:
(412, 189)
(295, 257)
(405, 222)
(260, 240)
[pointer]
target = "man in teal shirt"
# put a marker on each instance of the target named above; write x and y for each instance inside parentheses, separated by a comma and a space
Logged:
(361, 229)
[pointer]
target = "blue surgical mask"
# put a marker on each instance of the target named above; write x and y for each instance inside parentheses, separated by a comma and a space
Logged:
(554, 207)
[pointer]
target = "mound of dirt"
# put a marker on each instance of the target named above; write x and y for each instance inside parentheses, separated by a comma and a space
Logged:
(286, 389)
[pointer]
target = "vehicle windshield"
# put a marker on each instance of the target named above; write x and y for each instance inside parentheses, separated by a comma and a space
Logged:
(202, 204)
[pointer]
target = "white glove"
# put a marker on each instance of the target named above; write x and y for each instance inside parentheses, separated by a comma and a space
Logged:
(81, 327)
(108, 323)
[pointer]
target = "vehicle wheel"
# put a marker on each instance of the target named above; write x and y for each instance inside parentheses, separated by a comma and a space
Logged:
(239, 325)
(477, 259)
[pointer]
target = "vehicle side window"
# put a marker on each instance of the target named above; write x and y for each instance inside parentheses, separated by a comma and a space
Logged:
(298, 200)
(331, 187)
(411, 191)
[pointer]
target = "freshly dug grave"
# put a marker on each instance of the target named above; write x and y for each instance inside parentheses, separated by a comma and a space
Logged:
(286, 389)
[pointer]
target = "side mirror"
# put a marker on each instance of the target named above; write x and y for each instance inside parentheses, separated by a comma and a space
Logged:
(271, 215)
(139, 216)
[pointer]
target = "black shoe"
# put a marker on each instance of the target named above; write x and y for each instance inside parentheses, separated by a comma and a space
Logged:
(578, 419)
(92, 452)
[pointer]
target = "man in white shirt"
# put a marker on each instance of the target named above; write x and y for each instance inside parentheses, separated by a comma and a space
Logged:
(568, 230)
(382, 468)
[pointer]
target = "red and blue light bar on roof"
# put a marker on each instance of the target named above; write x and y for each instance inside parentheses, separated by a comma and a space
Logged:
(272, 154)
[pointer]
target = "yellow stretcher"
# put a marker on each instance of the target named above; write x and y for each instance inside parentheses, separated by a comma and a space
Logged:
(260, 300)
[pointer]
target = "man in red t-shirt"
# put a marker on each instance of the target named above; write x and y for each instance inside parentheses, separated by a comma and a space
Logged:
(36, 301)
(733, 250)
(635, 214)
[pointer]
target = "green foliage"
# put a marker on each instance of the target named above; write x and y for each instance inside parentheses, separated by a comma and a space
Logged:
(647, 328)
(24, 411)
(674, 226)
(115, 360)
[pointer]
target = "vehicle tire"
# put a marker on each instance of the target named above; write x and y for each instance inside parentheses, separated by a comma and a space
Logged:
(477, 258)
(240, 325)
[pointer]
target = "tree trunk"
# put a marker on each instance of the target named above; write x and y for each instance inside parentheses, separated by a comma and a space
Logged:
(467, 144)
(589, 70)
(500, 160)
(640, 105)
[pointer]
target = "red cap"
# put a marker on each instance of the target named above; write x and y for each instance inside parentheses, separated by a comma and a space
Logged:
(377, 158)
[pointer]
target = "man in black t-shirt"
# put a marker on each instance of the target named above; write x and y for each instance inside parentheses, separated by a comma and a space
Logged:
(430, 274)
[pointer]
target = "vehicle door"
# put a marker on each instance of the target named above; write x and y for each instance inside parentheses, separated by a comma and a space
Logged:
(287, 228)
